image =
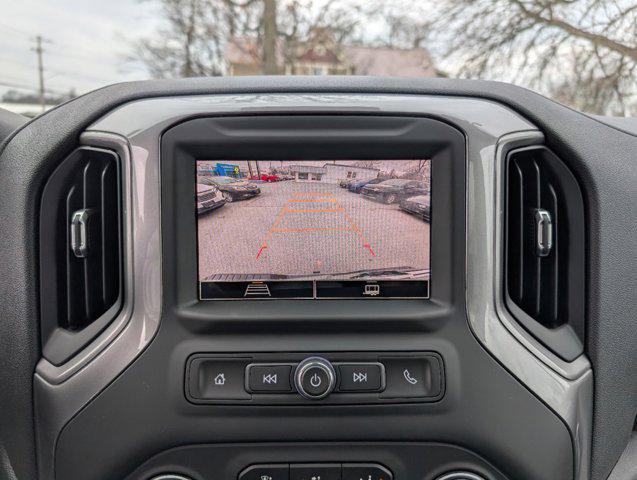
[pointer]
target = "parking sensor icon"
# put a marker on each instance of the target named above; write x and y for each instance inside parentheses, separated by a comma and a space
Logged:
(257, 289)
(371, 290)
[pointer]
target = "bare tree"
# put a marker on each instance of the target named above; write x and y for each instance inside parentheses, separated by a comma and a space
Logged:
(418, 170)
(196, 32)
(365, 163)
(257, 19)
(190, 43)
(302, 26)
(405, 30)
(583, 50)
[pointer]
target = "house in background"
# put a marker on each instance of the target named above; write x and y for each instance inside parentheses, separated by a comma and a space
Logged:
(335, 172)
(307, 173)
(332, 173)
(321, 55)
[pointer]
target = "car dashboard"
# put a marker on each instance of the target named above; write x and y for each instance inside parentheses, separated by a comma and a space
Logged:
(483, 330)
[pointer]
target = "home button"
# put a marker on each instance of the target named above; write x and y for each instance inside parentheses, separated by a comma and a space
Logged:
(218, 379)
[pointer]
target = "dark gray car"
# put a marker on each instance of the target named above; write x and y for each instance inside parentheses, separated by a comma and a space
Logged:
(394, 190)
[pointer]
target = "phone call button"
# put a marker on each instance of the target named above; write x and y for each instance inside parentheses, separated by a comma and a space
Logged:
(412, 377)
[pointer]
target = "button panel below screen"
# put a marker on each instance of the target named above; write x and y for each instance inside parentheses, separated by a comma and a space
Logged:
(317, 471)
(361, 378)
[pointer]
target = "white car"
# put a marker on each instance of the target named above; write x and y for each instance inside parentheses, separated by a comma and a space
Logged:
(208, 198)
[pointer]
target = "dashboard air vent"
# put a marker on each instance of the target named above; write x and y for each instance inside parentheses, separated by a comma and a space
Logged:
(545, 262)
(81, 251)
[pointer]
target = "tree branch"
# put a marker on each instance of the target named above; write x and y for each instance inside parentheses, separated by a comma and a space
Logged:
(571, 29)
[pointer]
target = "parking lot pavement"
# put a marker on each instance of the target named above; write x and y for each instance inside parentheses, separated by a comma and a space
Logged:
(308, 228)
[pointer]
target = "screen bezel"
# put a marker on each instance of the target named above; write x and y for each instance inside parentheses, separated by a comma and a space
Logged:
(322, 137)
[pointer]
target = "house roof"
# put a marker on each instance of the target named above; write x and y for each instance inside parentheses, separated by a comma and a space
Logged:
(307, 169)
(414, 62)
(383, 61)
(246, 51)
(350, 167)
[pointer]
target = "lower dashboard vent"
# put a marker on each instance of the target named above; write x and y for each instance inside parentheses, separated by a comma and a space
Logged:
(545, 260)
(81, 251)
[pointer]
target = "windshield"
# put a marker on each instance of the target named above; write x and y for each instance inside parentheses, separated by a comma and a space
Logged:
(582, 53)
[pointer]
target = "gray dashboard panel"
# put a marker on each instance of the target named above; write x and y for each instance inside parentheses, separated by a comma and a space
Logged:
(490, 129)
(626, 468)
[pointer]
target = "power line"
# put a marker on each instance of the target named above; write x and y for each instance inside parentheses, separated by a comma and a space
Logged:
(56, 72)
(15, 62)
(74, 56)
(78, 75)
(15, 30)
(22, 86)
(16, 85)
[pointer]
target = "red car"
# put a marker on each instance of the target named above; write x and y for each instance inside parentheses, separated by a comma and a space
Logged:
(266, 178)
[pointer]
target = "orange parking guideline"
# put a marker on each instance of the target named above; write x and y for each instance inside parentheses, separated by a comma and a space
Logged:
(315, 197)
(313, 229)
(311, 200)
(358, 230)
(277, 220)
(313, 194)
(314, 210)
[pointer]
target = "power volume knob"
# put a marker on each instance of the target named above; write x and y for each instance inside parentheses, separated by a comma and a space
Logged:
(315, 378)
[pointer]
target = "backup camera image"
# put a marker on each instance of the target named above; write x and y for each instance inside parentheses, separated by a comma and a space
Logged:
(313, 229)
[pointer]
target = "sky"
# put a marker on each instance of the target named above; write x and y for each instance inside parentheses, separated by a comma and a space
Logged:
(86, 42)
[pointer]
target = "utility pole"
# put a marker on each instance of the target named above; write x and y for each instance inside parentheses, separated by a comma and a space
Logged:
(38, 50)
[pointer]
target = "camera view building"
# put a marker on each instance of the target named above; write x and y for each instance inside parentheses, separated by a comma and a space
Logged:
(332, 173)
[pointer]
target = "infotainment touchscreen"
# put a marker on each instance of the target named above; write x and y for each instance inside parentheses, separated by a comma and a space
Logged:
(313, 229)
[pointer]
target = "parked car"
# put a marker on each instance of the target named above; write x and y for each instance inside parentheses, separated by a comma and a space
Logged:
(356, 187)
(209, 198)
(265, 177)
(394, 190)
(420, 205)
(231, 188)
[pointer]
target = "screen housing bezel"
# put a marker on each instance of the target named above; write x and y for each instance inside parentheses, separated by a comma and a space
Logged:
(366, 135)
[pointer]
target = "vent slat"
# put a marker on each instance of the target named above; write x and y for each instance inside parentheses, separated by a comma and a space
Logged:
(110, 244)
(533, 280)
(91, 264)
(550, 276)
(72, 309)
(104, 234)
(516, 231)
